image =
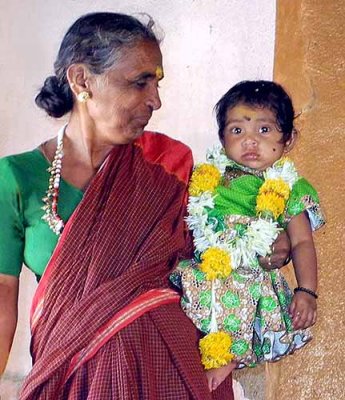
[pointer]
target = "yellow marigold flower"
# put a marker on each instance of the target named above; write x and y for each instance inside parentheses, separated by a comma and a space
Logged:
(270, 204)
(272, 197)
(216, 263)
(205, 177)
(278, 186)
(215, 350)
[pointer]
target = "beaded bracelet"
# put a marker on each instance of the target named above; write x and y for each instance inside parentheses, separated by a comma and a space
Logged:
(303, 289)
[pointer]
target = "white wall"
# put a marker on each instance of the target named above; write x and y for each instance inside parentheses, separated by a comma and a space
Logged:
(209, 45)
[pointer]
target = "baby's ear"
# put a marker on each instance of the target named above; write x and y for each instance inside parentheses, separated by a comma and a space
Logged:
(291, 142)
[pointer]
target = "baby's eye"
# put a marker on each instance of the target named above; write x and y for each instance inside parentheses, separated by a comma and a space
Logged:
(236, 130)
(264, 129)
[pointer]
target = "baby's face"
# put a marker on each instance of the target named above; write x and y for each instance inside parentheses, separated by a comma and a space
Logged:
(252, 137)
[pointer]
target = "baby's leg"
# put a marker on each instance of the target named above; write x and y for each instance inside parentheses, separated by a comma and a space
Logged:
(216, 376)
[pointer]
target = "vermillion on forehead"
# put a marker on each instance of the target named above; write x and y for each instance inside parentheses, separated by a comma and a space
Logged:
(159, 72)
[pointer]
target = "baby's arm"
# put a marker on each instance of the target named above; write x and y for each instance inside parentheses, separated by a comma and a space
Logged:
(303, 305)
(280, 253)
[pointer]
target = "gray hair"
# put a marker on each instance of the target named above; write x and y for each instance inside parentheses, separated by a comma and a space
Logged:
(96, 40)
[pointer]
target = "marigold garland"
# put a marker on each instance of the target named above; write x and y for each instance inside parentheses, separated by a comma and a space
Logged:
(270, 205)
(205, 177)
(215, 349)
(277, 186)
(218, 263)
(215, 263)
(272, 198)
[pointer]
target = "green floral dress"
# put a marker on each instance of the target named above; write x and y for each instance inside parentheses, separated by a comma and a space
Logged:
(252, 305)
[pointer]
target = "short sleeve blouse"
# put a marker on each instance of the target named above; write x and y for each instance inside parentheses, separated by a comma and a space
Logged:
(24, 236)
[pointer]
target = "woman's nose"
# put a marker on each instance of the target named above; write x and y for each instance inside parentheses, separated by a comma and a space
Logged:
(154, 100)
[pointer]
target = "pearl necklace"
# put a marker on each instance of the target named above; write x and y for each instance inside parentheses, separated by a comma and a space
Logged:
(50, 201)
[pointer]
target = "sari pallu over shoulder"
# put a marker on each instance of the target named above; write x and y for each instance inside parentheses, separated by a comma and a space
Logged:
(158, 149)
(121, 243)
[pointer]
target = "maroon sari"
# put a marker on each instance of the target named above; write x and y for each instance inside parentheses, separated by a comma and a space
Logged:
(113, 259)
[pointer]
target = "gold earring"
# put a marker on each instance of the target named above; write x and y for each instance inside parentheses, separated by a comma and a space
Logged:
(83, 96)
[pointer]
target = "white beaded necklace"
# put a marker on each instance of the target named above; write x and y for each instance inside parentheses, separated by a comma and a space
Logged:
(50, 201)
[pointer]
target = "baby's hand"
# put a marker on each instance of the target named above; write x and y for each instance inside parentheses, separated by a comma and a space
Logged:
(303, 310)
(216, 376)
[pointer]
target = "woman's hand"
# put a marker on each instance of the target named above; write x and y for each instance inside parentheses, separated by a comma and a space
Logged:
(280, 253)
(303, 310)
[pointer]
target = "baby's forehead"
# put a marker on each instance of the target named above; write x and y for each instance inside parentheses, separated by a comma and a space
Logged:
(249, 112)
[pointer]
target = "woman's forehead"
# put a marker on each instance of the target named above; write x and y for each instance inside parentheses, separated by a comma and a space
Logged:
(143, 56)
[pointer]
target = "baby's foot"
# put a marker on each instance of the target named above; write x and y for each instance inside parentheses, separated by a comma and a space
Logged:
(216, 376)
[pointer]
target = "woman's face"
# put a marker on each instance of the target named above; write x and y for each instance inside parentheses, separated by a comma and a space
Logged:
(124, 98)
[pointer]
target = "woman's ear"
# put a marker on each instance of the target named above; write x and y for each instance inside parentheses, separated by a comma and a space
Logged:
(291, 142)
(77, 76)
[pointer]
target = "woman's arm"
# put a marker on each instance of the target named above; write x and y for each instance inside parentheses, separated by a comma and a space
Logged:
(303, 305)
(9, 286)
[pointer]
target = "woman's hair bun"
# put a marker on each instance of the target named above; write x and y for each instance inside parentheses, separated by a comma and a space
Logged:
(54, 98)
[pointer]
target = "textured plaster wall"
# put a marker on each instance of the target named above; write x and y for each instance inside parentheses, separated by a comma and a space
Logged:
(310, 62)
(209, 45)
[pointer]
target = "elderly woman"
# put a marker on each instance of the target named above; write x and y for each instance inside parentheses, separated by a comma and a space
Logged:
(105, 324)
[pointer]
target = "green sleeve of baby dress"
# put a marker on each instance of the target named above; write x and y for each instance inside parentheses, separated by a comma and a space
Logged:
(304, 198)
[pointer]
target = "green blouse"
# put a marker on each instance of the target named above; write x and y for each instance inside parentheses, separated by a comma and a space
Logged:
(24, 236)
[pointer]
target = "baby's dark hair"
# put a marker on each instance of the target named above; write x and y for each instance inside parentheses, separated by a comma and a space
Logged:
(261, 94)
(98, 41)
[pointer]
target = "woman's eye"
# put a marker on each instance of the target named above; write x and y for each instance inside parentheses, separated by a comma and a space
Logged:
(141, 84)
(236, 130)
(264, 129)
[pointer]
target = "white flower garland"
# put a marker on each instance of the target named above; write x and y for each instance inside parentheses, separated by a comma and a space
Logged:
(260, 233)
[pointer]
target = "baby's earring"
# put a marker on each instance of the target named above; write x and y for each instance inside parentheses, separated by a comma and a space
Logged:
(83, 96)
